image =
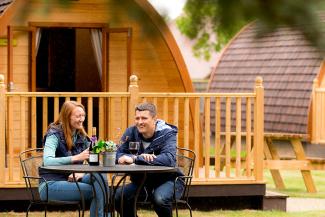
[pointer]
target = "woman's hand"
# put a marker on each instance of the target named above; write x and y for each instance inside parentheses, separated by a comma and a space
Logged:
(78, 177)
(82, 156)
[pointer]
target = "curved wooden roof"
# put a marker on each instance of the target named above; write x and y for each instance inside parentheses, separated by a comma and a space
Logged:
(288, 66)
(171, 42)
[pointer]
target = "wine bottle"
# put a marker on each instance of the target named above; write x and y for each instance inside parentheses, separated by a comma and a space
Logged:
(93, 157)
(93, 135)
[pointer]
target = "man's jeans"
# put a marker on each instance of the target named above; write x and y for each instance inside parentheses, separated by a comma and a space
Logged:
(162, 198)
(68, 191)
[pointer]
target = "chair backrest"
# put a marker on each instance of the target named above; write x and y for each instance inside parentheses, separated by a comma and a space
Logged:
(30, 161)
(185, 162)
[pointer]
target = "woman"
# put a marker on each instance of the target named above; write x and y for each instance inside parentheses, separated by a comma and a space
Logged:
(66, 142)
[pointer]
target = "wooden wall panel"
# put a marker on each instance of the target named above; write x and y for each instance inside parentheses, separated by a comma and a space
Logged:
(117, 78)
(117, 67)
(21, 61)
(3, 61)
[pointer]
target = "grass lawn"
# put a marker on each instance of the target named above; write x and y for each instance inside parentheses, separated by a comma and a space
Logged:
(142, 213)
(294, 183)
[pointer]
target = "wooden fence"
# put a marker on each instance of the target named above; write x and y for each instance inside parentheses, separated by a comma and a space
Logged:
(24, 117)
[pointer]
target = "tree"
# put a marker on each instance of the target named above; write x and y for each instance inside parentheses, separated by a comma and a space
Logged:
(224, 18)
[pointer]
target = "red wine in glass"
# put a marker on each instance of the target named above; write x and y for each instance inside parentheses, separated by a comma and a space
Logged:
(134, 147)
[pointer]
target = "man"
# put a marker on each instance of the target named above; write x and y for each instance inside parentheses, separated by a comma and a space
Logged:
(157, 147)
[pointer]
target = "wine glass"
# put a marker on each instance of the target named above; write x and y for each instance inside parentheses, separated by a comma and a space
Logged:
(134, 147)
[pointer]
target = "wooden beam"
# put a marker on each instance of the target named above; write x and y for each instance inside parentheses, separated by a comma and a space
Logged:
(3, 107)
(293, 165)
(286, 164)
(68, 24)
(285, 136)
(271, 153)
(9, 57)
(306, 174)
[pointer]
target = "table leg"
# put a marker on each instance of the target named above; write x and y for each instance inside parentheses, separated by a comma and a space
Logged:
(271, 153)
(306, 174)
(138, 193)
(104, 190)
(113, 194)
(106, 202)
(81, 195)
(92, 185)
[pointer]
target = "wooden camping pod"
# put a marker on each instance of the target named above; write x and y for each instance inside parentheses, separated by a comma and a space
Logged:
(134, 40)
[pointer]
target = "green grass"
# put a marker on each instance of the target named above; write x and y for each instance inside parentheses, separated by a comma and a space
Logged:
(184, 213)
(232, 153)
(294, 183)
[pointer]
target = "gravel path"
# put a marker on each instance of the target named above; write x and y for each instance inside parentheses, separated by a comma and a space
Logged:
(305, 204)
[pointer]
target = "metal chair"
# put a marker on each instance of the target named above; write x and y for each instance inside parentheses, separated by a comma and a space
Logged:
(185, 162)
(30, 161)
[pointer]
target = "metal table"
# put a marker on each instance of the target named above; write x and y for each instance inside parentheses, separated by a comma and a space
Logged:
(125, 169)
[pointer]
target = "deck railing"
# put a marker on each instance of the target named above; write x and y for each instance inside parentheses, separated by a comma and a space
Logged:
(239, 121)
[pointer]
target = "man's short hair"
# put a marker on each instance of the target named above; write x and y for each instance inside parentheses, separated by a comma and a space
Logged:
(146, 106)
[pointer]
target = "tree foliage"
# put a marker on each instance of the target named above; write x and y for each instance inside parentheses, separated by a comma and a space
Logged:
(224, 18)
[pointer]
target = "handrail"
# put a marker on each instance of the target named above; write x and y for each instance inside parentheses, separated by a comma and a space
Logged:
(69, 94)
(159, 94)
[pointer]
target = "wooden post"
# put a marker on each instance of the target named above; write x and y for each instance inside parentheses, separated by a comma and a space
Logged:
(314, 128)
(10, 58)
(134, 97)
(259, 129)
(33, 62)
(2, 129)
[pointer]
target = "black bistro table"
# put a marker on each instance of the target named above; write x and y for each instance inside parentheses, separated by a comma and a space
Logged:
(124, 169)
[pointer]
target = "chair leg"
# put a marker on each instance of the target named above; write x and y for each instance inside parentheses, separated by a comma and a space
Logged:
(45, 210)
(176, 209)
(28, 208)
(189, 208)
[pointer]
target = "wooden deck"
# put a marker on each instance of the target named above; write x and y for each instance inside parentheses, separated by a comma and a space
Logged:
(25, 117)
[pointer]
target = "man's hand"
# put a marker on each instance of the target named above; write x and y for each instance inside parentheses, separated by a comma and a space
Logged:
(125, 160)
(148, 157)
(78, 177)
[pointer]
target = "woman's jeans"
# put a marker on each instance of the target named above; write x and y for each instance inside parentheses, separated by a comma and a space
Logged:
(162, 198)
(68, 191)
